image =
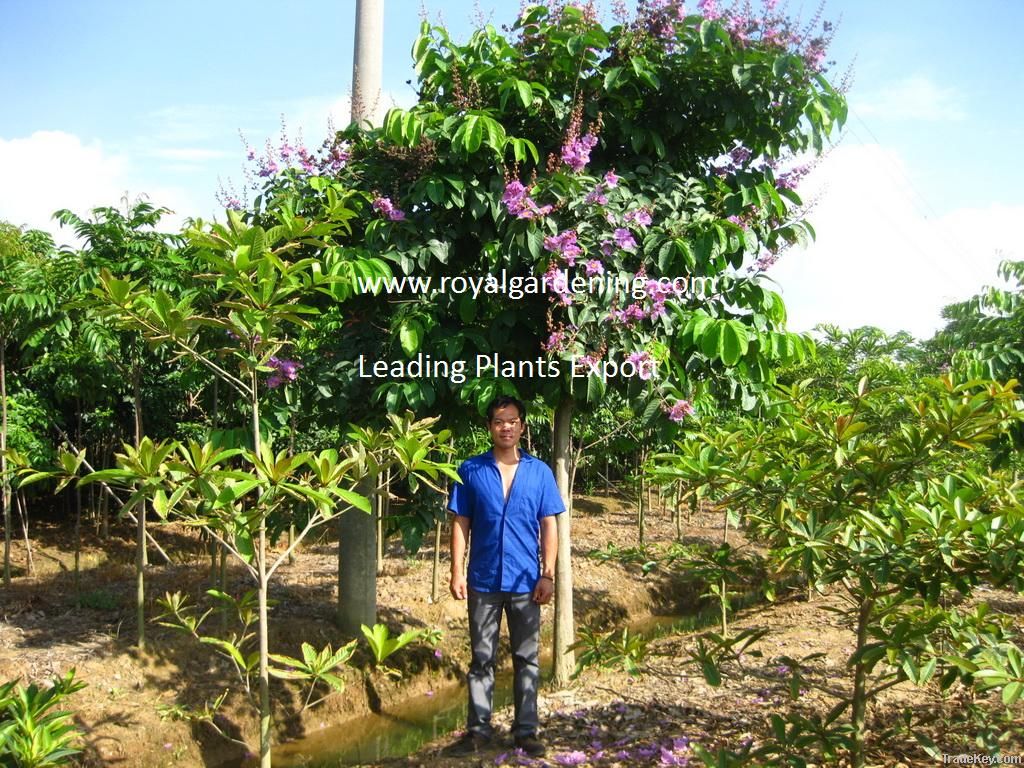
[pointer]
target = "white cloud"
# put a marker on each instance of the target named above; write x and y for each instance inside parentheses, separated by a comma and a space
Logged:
(50, 170)
(913, 98)
(53, 169)
(882, 256)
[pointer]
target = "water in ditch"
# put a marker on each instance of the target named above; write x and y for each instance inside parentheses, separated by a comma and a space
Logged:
(402, 729)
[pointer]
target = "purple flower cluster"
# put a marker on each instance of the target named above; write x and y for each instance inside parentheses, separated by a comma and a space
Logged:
(520, 204)
(596, 196)
(336, 156)
(792, 178)
(576, 151)
(557, 281)
(709, 9)
(624, 239)
(680, 410)
(564, 245)
(766, 260)
(284, 371)
(641, 217)
(554, 342)
(385, 207)
(644, 364)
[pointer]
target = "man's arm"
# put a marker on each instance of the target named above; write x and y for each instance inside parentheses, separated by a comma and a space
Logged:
(548, 555)
(460, 535)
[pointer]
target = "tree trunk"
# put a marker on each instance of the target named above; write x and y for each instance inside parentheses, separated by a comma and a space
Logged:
(264, 652)
(357, 566)
(382, 509)
(5, 495)
(642, 499)
(137, 412)
(564, 658)
(104, 516)
(679, 511)
(78, 520)
(859, 703)
(23, 510)
(140, 578)
(435, 581)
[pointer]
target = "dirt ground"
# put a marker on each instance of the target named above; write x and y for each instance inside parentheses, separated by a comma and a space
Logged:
(605, 718)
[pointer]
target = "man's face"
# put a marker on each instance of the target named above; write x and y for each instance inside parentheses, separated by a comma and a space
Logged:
(506, 427)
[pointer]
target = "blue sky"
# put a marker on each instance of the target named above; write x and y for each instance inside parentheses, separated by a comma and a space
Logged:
(914, 208)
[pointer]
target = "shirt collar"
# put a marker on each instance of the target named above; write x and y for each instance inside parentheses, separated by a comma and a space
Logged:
(523, 456)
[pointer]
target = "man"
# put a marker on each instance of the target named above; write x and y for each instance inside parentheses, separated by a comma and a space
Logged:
(506, 503)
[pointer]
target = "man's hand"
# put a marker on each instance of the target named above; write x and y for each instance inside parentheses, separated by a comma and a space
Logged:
(457, 586)
(544, 591)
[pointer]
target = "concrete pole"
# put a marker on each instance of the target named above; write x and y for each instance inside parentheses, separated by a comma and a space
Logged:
(357, 531)
(368, 62)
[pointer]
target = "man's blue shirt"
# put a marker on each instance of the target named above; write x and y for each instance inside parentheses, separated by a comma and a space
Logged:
(503, 548)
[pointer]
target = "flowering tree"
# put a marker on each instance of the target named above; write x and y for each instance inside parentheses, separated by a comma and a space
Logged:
(589, 199)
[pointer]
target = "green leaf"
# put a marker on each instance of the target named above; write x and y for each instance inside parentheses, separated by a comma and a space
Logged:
(410, 336)
(525, 93)
(358, 501)
(733, 342)
(1012, 692)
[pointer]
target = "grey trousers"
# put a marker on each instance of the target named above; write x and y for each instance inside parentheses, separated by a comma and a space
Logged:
(485, 609)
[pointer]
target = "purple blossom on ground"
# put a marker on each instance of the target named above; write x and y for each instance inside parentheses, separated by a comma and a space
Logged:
(501, 759)
(782, 670)
(624, 239)
(623, 754)
(571, 758)
(680, 410)
(679, 743)
(670, 758)
(646, 752)
(384, 206)
(576, 151)
(437, 654)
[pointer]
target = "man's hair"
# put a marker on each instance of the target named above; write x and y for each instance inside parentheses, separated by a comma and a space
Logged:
(502, 401)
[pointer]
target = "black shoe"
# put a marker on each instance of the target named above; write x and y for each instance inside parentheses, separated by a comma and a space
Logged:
(469, 744)
(531, 745)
